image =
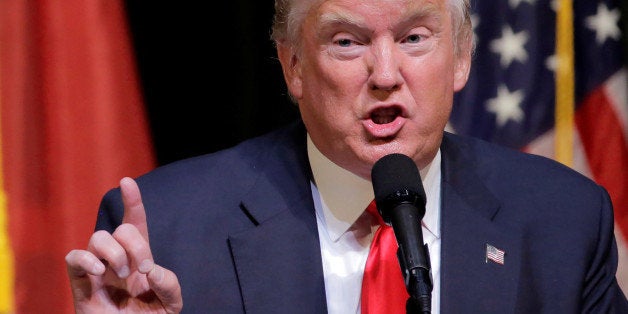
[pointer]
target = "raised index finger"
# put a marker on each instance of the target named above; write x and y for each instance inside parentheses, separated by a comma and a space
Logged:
(134, 212)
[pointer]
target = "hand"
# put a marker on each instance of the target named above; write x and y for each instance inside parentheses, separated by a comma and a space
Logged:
(116, 273)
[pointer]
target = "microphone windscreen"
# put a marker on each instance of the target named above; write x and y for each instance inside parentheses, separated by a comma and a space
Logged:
(395, 178)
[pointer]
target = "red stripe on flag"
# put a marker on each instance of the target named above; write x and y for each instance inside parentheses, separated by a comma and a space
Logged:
(603, 139)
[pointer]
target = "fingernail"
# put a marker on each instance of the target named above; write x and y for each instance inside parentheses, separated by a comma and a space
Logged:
(145, 266)
(156, 274)
(98, 268)
(124, 272)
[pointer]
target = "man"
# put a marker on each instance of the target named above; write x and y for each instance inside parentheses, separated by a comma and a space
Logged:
(277, 224)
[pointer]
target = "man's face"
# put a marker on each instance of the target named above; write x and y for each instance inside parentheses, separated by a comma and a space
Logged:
(375, 77)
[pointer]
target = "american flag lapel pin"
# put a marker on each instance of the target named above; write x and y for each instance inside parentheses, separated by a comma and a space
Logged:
(494, 254)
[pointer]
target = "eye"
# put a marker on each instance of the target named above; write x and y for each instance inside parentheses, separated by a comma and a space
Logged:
(413, 39)
(344, 42)
(346, 45)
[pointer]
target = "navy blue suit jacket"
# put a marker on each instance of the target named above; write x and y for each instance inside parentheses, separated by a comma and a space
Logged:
(239, 230)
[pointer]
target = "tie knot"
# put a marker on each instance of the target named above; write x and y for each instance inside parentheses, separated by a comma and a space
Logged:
(372, 209)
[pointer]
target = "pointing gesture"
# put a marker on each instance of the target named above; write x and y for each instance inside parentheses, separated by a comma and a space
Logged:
(116, 273)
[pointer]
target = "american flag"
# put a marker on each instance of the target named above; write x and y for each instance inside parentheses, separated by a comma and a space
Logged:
(494, 254)
(510, 96)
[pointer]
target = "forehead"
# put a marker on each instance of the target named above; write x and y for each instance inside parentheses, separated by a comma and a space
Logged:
(387, 12)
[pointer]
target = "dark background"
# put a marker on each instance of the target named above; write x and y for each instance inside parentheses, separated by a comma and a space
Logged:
(209, 73)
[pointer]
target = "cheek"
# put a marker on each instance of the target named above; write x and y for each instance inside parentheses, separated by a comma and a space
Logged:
(432, 88)
(339, 79)
(334, 88)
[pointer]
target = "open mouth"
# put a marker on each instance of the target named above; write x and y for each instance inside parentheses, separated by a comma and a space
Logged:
(385, 115)
(385, 122)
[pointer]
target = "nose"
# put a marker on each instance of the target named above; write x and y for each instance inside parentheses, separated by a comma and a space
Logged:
(384, 67)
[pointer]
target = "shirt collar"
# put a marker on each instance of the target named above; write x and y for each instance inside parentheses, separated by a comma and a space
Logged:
(344, 195)
(431, 177)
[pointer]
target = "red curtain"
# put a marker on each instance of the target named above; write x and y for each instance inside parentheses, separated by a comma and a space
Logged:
(72, 124)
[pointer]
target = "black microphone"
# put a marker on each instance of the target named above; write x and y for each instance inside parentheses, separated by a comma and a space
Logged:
(400, 200)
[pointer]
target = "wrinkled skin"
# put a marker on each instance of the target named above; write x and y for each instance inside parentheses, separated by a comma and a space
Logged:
(376, 77)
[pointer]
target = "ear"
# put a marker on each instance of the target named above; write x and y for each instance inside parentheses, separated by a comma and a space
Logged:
(463, 66)
(291, 69)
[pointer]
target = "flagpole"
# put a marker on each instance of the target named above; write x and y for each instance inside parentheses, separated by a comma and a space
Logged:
(565, 102)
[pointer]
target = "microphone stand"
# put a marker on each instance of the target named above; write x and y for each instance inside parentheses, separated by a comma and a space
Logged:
(419, 285)
(415, 267)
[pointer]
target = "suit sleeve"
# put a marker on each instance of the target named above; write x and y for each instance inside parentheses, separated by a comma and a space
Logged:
(602, 293)
(111, 211)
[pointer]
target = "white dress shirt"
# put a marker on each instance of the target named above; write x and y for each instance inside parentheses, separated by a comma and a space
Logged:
(346, 230)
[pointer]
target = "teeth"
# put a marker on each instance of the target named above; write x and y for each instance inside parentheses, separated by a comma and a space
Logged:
(385, 115)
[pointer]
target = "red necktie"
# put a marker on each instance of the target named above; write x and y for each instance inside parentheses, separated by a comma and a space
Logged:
(383, 288)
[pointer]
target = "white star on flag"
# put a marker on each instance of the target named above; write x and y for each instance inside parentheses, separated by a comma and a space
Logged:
(605, 24)
(510, 46)
(506, 106)
(515, 3)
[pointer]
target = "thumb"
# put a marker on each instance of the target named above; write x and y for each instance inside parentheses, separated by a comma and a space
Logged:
(134, 212)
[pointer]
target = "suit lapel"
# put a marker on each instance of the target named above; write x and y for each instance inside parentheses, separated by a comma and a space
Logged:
(278, 261)
(471, 283)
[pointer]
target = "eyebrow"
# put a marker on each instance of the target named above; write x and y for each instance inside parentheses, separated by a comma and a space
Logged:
(345, 17)
(337, 18)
